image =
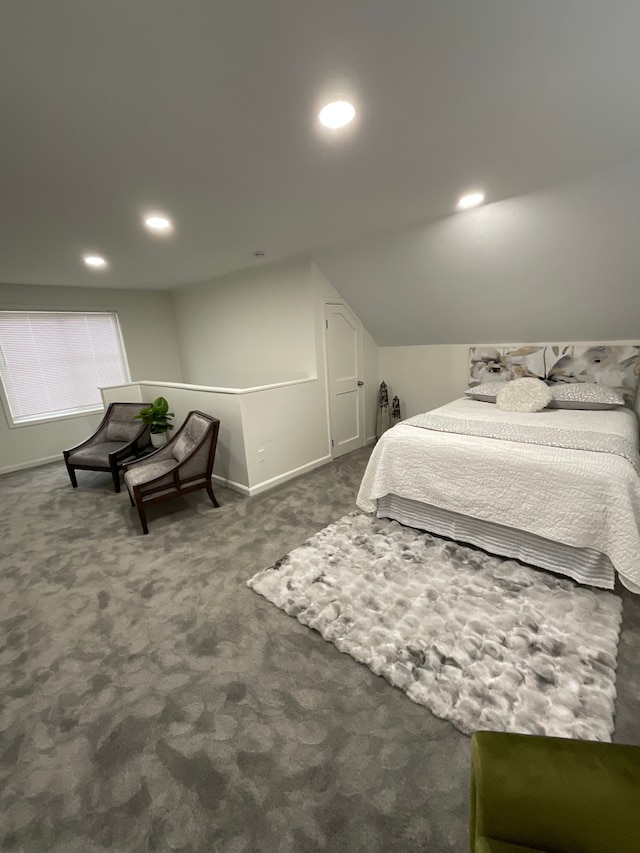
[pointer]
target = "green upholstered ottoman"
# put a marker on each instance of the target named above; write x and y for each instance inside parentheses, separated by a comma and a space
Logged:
(531, 794)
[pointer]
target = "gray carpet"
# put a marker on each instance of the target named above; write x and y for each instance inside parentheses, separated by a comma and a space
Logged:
(152, 702)
(481, 641)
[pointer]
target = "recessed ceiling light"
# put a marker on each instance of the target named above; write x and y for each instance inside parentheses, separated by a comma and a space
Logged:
(96, 262)
(471, 200)
(158, 223)
(337, 114)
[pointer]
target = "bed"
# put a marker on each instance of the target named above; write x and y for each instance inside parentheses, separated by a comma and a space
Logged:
(558, 489)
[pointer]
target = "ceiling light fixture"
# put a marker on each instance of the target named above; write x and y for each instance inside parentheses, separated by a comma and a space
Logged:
(96, 262)
(471, 200)
(157, 223)
(337, 114)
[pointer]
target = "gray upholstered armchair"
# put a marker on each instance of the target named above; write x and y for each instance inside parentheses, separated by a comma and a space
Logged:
(183, 465)
(118, 437)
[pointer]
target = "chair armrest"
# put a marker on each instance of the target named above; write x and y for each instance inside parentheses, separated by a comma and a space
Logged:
(129, 447)
(93, 439)
(550, 793)
(143, 460)
(164, 452)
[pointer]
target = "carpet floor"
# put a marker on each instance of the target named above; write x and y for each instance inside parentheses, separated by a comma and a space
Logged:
(150, 701)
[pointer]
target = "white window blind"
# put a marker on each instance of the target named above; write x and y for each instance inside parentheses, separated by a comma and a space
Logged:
(53, 363)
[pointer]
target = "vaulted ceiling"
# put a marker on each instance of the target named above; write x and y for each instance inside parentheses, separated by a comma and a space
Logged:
(208, 111)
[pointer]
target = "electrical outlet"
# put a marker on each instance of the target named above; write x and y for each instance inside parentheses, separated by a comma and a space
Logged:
(261, 454)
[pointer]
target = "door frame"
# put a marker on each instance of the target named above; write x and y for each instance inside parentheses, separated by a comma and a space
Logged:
(360, 370)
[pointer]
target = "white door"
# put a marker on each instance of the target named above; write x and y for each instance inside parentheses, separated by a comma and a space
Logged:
(346, 401)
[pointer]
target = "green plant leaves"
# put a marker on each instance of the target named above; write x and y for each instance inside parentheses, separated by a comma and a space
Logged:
(157, 416)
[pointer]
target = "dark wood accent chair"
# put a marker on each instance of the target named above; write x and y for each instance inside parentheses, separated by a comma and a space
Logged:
(181, 466)
(119, 437)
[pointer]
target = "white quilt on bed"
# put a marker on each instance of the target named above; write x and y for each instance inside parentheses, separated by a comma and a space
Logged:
(582, 498)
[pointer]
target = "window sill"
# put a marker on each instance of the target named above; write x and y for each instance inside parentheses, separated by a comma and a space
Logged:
(48, 419)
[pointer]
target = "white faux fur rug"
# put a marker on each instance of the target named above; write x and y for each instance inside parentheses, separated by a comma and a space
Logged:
(481, 641)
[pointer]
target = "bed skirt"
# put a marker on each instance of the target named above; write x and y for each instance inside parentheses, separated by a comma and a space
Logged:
(582, 564)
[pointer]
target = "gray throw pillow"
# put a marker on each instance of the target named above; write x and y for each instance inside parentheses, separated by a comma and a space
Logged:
(122, 431)
(486, 392)
(585, 395)
(183, 445)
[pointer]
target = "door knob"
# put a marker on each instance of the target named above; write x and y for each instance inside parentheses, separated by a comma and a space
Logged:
(360, 382)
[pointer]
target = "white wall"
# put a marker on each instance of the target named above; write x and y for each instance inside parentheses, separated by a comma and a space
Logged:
(559, 264)
(266, 437)
(425, 377)
(285, 433)
(249, 328)
(264, 326)
(150, 341)
(372, 381)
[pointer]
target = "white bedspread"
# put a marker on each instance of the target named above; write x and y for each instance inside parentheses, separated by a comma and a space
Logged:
(582, 498)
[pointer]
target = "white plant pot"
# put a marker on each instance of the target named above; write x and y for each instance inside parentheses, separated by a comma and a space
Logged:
(158, 438)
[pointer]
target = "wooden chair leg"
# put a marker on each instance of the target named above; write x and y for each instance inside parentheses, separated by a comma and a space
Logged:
(115, 473)
(209, 489)
(72, 476)
(141, 512)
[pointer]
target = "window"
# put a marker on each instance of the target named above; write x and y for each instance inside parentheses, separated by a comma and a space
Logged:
(52, 363)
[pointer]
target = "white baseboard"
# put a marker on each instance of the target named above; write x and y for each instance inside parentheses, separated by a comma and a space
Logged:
(231, 484)
(370, 440)
(32, 464)
(288, 475)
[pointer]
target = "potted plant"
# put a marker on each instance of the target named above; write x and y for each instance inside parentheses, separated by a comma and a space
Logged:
(158, 417)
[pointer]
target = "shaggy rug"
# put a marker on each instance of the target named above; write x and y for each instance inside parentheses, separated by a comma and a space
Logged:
(481, 641)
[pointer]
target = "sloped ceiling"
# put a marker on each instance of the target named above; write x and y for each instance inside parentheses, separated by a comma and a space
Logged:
(208, 110)
(557, 264)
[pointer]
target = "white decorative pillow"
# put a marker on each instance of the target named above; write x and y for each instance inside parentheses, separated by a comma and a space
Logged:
(486, 392)
(585, 395)
(524, 395)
